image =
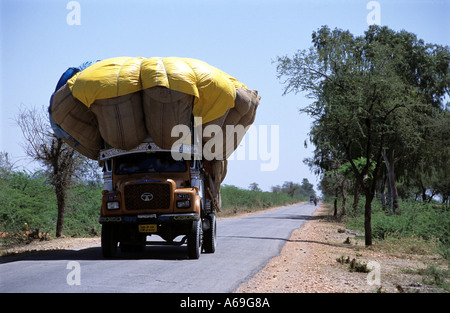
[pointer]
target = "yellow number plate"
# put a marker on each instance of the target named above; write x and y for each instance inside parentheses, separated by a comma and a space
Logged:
(147, 228)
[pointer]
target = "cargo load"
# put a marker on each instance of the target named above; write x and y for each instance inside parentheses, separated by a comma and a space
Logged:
(214, 90)
(121, 101)
(161, 130)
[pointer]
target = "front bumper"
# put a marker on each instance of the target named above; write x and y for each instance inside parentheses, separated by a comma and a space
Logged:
(150, 218)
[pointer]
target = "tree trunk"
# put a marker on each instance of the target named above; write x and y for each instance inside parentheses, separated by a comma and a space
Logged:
(389, 191)
(335, 205)
(370, 194)
(394, 190)
(344, 197)
(393, 182)
(389, 179)
(61, 201)
(392, 186)
(356, 195)
(368, 219)
(383, 191)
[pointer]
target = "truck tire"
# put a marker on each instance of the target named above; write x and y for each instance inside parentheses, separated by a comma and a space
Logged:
(209, 236)
(109, 241)
(194, 240)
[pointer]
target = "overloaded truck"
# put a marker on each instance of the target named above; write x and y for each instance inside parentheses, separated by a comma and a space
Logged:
(149, 192)
(144, 120)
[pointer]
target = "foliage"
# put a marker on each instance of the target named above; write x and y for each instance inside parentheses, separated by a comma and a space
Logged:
(26, 198)
(376, 98)
(428, 221)
(254, 187)
(237, 200)
(30, 198)
(305, 189)
(83, 209)
(423, 220)
(436, 276)
(360, 163)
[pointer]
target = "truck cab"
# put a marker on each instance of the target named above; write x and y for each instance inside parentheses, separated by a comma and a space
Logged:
(147, 192)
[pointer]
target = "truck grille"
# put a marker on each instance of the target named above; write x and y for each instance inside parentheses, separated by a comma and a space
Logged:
(147, 196)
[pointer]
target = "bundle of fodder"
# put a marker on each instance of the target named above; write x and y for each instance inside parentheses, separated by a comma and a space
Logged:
(239, 118)
(72, 115)
(164, 110)
(68, 113)
(215, 171)
(222, 136)
(121, 120)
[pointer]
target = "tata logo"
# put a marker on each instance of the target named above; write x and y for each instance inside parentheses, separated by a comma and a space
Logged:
(147, 197)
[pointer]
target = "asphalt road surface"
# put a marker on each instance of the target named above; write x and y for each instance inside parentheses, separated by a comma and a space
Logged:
(244, 246)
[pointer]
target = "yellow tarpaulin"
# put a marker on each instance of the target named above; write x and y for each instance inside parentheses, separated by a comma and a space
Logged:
(214, 90)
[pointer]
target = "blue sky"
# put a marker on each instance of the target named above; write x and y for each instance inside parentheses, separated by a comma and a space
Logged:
(239, 37)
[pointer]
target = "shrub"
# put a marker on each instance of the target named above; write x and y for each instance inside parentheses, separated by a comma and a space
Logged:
(26, 198)
(237, 200)
(415, 220)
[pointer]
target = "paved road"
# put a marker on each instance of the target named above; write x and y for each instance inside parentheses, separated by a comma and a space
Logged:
(244, 246)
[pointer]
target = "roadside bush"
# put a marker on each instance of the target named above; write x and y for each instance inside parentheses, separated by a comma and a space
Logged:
(436, 276)
(426, 221)
(26, 198)
(29, 198)
(83, 210)
(237, 200)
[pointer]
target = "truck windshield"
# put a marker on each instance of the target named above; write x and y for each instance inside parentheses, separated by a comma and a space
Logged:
(148, 163)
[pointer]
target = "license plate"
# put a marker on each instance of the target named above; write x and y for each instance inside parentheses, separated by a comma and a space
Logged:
(147, 228)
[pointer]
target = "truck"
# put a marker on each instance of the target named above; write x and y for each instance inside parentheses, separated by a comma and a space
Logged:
(122, 112)
(148, 193)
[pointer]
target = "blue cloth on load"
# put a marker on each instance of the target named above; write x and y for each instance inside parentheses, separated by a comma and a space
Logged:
(68, 74)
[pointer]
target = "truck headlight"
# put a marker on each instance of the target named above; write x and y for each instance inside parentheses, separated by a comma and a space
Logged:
(182, 204)
(114, 205)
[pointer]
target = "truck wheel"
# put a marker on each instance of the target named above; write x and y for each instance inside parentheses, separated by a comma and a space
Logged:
(109, 241)
(209, 237)
(194, 239)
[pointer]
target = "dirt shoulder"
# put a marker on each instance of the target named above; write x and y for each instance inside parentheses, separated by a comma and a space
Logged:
(308, 264)
(68, 243)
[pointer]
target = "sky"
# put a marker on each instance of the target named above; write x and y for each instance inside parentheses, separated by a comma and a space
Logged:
(40, 39)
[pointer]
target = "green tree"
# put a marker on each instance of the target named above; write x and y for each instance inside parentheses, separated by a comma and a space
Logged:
(6, 167)
(366, 92)
(290, 188)
(276, 189)
(306, 188)
(254, 187)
